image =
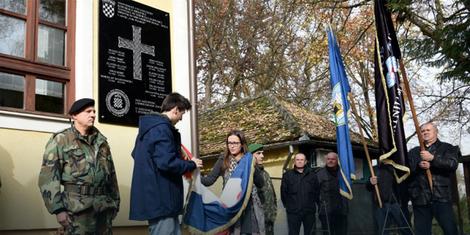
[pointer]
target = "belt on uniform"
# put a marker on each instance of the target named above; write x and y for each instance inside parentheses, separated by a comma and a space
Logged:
(83, 189)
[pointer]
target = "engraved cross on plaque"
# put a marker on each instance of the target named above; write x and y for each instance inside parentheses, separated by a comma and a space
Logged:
(137, 48)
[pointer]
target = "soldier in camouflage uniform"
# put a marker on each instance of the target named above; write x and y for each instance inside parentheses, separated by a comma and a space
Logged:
(77, 180)
(266, 194)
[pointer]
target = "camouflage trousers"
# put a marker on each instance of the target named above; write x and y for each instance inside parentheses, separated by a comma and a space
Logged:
(89, 222)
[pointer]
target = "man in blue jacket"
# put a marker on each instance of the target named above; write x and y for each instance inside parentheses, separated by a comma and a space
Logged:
(157, 184)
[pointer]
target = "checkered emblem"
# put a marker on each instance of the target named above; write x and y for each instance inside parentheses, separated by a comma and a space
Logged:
(108, 8)
(117, 102)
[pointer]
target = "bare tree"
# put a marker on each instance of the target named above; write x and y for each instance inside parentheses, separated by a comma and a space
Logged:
(247, 47)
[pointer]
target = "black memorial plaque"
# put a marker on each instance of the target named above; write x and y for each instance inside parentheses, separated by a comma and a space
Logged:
(134, 61)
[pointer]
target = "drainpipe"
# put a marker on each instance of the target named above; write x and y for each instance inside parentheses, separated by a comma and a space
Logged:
(193, 81)
(289, 157)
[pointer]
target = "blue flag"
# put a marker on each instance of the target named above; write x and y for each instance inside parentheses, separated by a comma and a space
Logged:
(207, 213)
(340, 90)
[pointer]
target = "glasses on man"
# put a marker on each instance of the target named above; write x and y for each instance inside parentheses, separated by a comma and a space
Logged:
(233, 143)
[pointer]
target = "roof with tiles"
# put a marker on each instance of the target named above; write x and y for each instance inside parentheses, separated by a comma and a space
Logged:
(265, 120)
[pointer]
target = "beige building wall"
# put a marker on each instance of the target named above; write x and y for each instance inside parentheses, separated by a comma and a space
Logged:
(23, 137)
(274, 161)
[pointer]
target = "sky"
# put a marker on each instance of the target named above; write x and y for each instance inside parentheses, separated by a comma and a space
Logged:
(449, 134)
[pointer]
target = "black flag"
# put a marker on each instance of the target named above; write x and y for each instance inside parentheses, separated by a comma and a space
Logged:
(389, 95)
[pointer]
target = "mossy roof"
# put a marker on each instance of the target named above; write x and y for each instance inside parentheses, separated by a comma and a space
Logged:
(265, 120)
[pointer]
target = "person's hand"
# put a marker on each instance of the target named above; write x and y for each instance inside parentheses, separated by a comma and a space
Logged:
(373, 180)
(197, 161)
(424, 165)
(63, 219)
(426, 156)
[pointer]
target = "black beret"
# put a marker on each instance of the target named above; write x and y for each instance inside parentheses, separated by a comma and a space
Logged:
(80, 105)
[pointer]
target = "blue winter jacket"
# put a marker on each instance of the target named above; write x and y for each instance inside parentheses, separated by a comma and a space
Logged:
(157, 184)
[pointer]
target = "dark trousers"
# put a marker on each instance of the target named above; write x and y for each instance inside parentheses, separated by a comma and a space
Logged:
(294, 220)
(337, 223)
(394, 216)
(443, 213)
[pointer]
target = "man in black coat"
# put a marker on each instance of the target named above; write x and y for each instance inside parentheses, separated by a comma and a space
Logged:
(333, 208)
(442, 160)
(390, 197)
(299, 193)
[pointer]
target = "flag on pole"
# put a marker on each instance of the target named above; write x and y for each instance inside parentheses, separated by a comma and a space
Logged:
(389, 94)
(207, 213)
(340, 90)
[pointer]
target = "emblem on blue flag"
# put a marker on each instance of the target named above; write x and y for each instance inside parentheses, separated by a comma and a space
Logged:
(338, 108)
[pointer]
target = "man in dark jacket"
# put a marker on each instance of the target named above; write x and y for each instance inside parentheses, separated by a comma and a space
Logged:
(333, 208)
(299, 194)
(442, 160)
(390, 196)
(157, 184)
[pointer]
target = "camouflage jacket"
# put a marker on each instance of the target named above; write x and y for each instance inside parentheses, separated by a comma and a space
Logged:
(267, 197)
(81, 162)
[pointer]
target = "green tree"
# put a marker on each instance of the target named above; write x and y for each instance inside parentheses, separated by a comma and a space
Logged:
(445, 39)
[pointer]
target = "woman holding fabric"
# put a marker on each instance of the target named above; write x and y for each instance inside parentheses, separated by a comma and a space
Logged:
(249, 219)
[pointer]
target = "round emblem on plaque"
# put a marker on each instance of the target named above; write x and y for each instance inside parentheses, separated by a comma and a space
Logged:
(108, 8)
(117, 102)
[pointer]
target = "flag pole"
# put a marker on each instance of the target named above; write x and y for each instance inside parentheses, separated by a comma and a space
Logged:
(415, 117)
(364, 144)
